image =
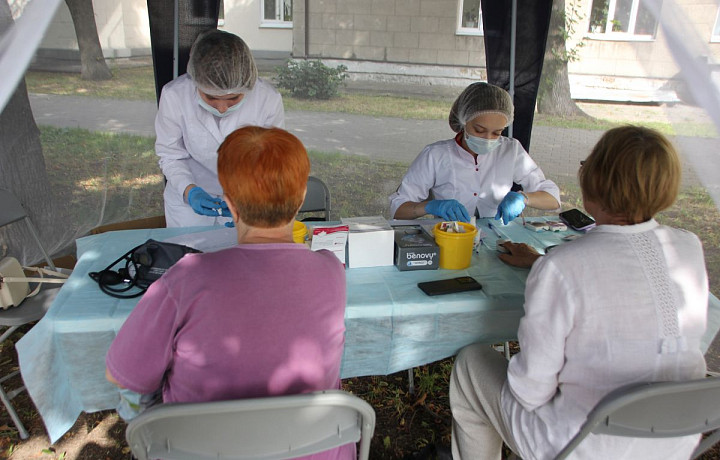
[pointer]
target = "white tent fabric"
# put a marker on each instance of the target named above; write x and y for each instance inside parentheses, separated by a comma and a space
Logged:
(20, 40)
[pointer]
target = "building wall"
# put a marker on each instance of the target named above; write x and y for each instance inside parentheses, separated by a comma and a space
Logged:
(418, 34)
(642, 66)
(242, 17)
(416, 41)
(386, 39)
(124, 30)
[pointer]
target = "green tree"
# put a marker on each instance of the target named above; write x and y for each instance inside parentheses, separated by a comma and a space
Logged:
(22, 172)
(554, 92)
(92, 61)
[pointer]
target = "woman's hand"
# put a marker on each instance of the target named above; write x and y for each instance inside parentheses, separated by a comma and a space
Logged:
(510, 207)
(521, 255)
(448, 210)
(204, 204)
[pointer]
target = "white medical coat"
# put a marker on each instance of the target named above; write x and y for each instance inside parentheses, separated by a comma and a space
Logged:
(444, 170)
(188, 137)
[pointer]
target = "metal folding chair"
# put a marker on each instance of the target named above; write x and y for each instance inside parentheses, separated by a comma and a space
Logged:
(278, 427)
(317, 199)
(31, 309)
(656, 410)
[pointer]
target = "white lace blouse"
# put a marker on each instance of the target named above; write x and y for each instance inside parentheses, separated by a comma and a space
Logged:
(622, 304)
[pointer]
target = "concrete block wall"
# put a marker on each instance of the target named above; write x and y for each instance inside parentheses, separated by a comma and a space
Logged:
(422, 32)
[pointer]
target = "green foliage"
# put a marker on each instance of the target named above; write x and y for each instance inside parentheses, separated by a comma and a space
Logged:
(311, 79)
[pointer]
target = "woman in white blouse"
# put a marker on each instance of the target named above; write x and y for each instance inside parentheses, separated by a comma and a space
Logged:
(625, 303)
(473, 173)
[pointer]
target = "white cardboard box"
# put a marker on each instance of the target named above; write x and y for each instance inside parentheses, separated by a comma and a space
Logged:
(370, 242)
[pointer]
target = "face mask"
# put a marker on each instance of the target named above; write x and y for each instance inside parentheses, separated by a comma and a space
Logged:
(480, 145)
(215, 111)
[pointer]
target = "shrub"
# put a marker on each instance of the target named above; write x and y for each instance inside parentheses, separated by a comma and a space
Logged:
(311, 79)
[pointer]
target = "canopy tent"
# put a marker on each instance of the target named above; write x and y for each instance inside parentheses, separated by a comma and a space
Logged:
(115, 200)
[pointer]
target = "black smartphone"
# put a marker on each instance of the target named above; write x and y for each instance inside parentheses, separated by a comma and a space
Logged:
(460, 284)
(577, 220)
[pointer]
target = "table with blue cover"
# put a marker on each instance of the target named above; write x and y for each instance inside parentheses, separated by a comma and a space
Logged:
(391, 325)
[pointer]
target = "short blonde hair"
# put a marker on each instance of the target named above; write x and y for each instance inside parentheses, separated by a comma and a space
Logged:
(632, 171)
(264, 173)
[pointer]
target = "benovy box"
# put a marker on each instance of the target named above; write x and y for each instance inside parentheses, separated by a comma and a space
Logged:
(415, 249)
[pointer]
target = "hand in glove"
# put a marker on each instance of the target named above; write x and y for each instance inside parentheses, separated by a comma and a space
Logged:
(448, 210)
(202, 203)
(510, 207)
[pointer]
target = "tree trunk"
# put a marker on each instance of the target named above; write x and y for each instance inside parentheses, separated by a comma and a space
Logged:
(554, 91)
(22, 172)
(92, 62)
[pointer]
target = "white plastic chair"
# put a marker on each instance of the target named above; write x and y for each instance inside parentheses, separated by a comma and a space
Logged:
(278, 427)
(31, 309)
(317, 198)
(656, 410)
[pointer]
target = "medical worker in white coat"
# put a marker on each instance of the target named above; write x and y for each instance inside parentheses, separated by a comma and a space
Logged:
(473, 173)
(220, 93)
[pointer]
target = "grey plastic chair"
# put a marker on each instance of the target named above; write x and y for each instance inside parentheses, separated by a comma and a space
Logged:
(317, 198)
(657, 410)
(31, 309)
(11, 210)
(277, 427)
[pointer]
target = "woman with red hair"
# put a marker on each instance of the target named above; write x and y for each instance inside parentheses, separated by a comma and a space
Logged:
(263, 318)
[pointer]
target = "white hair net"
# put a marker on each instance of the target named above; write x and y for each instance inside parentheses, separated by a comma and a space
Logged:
(477, 99)
(221, 63)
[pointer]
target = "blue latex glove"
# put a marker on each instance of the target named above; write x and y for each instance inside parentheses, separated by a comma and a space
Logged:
(202, 203)
(448, 210)
(225, 210)
(226, 213)
(510, 207)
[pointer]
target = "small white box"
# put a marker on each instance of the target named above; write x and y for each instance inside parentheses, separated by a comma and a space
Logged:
(370, 243)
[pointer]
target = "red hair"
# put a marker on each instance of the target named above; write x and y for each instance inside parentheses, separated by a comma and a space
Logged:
(264, 173)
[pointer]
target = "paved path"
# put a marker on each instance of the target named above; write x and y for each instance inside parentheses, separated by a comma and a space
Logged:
(557, 150)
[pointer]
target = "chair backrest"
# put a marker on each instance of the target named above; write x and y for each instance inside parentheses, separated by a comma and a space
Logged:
(277, 427)
(656, 410)
(317, 197)
(11, 210)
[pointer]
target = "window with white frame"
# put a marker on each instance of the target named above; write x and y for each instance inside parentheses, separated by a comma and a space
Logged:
(622, 19)
(277, 12)
(469, 17)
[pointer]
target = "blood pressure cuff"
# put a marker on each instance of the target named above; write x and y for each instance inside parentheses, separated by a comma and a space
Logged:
(144, 264)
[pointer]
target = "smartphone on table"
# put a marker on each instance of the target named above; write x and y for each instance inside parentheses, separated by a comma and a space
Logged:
(459, 284)
(577, 220)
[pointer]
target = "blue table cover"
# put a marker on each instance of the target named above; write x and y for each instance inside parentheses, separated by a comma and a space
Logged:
(390, 324)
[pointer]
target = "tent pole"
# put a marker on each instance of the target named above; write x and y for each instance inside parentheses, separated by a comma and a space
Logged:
(176, 38)
(513, 41)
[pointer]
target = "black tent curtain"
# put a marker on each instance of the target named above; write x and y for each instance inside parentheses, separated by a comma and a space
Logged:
(533, 22)
(194, 17)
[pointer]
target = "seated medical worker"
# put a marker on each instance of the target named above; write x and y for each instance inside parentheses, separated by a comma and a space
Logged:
(263, 318)
(625, 303)
(473, 173)
(219, 93)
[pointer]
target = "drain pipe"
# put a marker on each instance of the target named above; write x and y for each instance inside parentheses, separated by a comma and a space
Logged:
(307, 29)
